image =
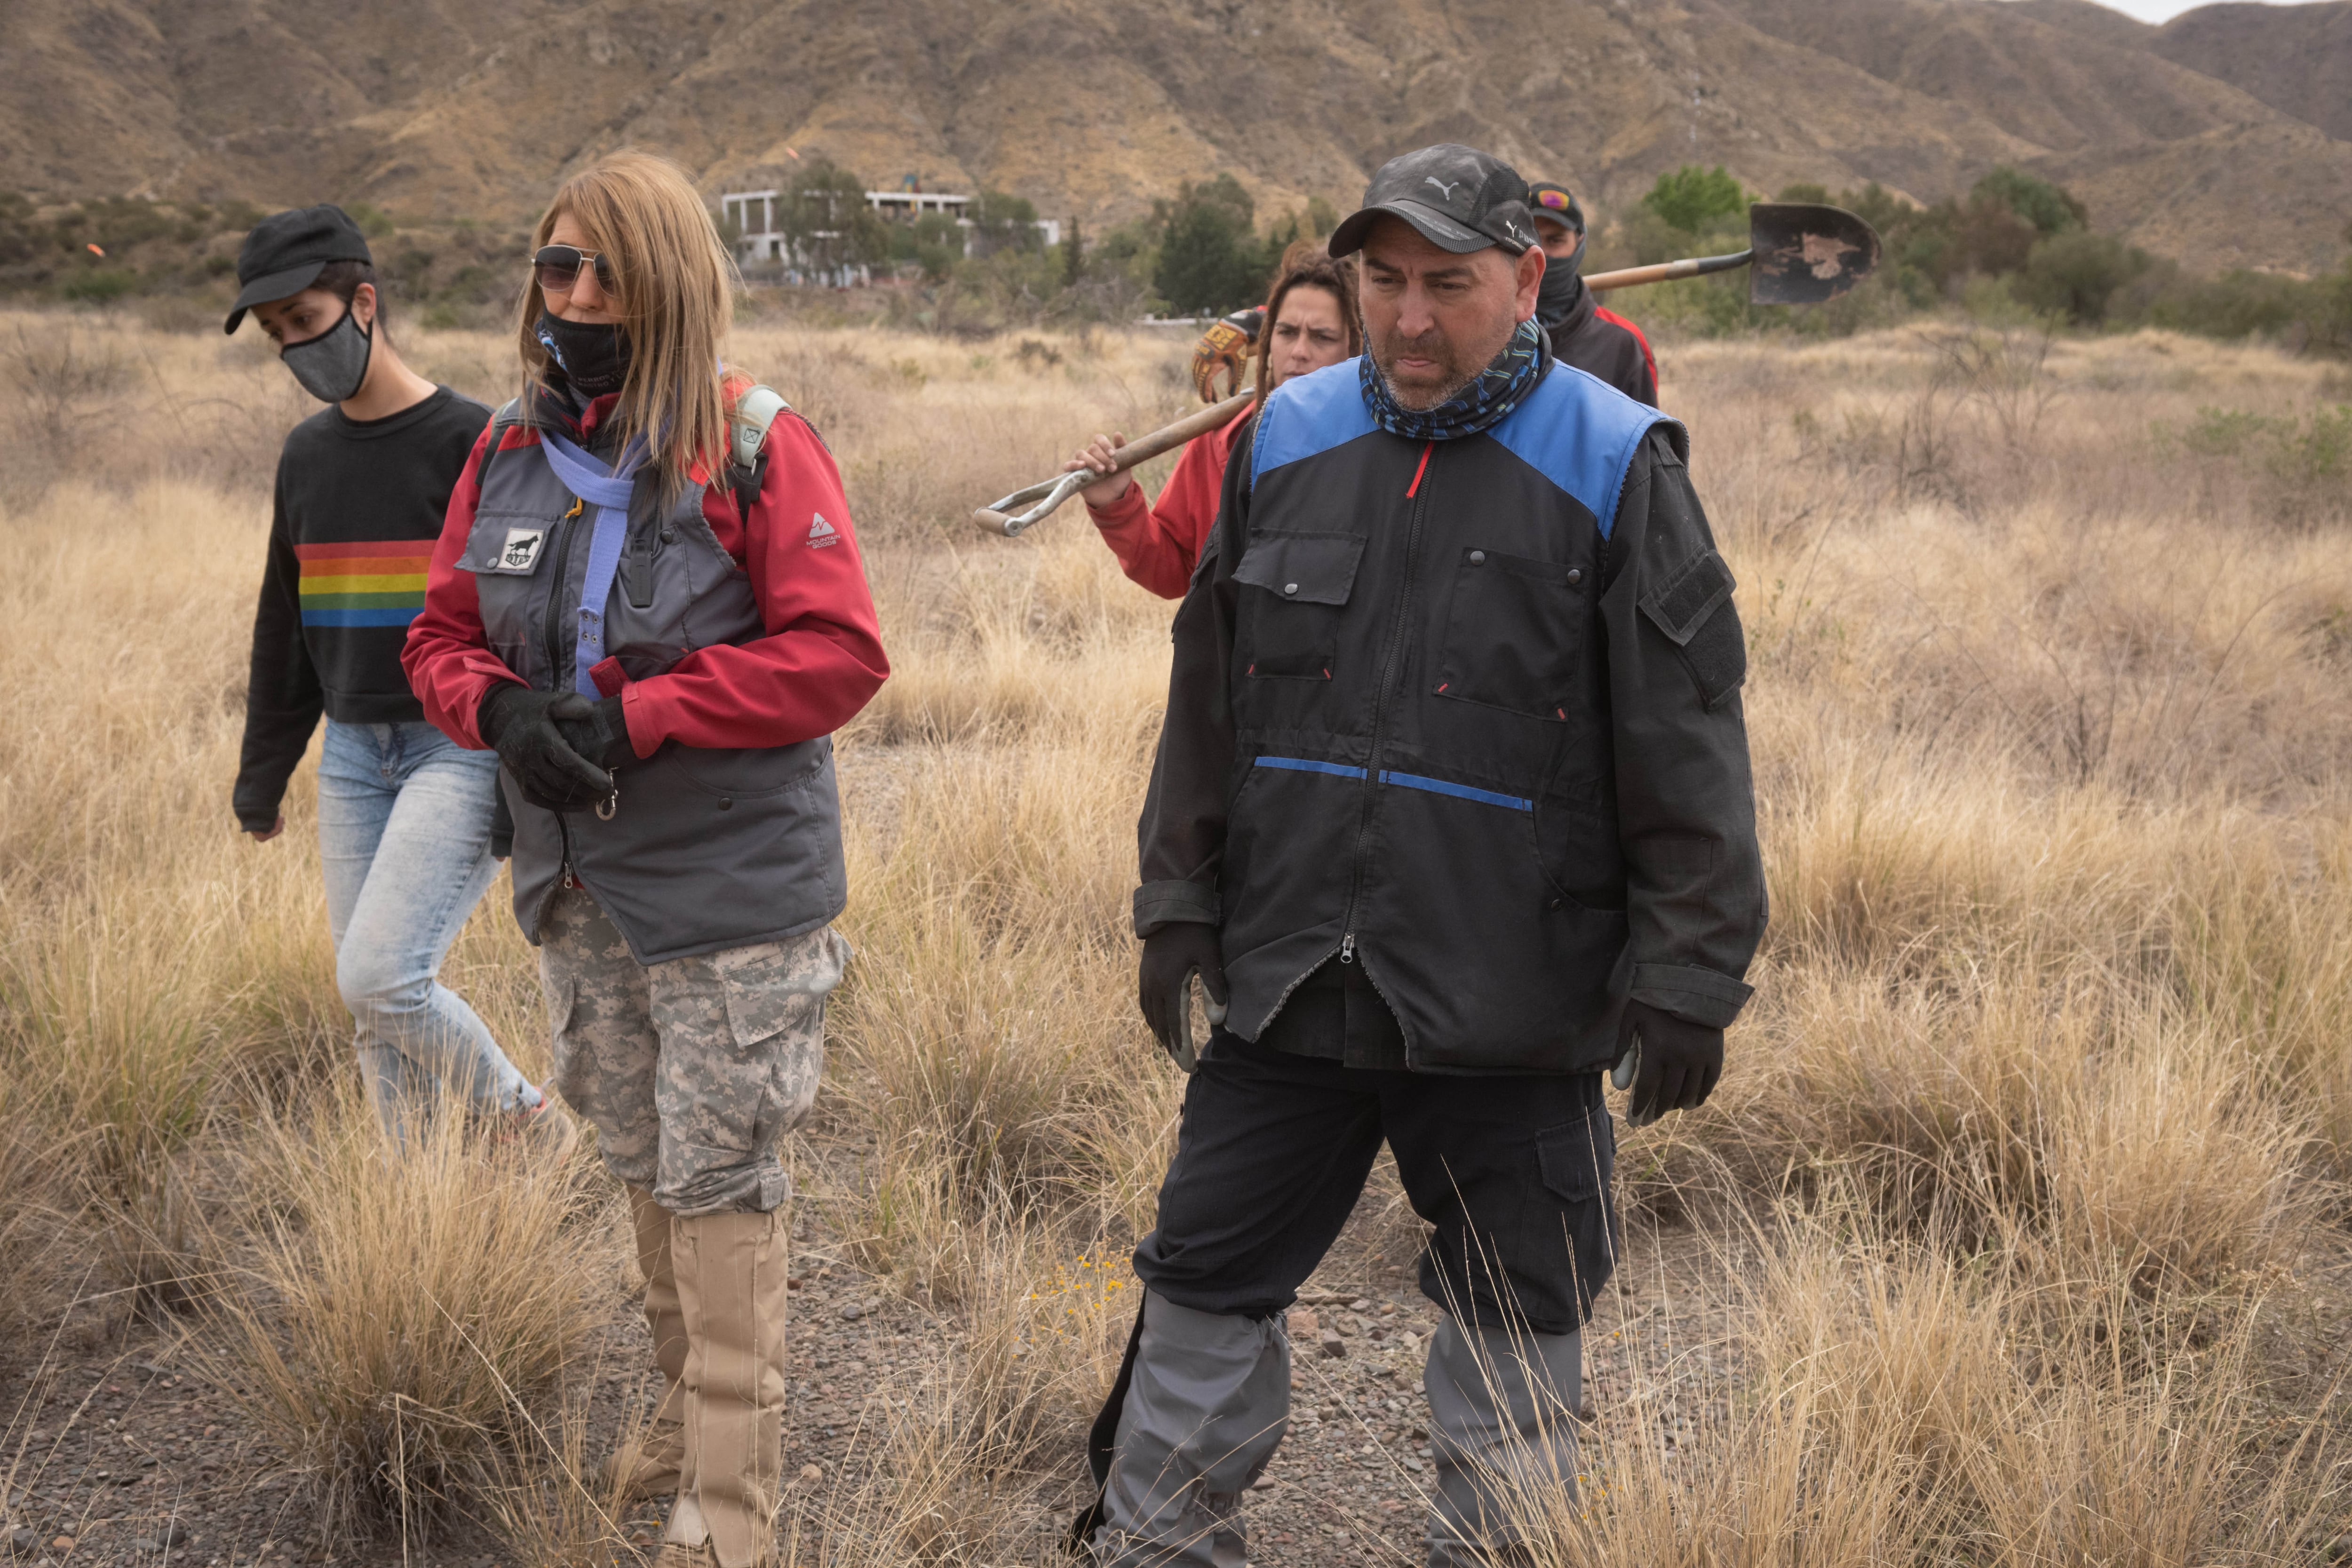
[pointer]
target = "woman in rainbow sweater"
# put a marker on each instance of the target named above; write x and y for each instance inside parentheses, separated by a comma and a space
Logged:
(404, 815)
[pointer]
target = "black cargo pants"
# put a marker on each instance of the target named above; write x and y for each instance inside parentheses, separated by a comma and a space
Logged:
(1512, 1170)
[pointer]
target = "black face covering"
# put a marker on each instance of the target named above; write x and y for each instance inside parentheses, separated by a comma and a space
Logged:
(1563, 286)
(594, 357)
(331, 365)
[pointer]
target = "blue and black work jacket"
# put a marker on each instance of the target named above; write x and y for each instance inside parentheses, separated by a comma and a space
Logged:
(1466, 713)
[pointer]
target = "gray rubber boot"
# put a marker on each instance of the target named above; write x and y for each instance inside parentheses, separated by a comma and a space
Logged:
(1208, 1406)
(1502, 1430)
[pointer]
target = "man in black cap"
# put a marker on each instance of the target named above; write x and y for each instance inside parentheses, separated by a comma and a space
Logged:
(1584, 333)
(406, 815)
(1451, 812)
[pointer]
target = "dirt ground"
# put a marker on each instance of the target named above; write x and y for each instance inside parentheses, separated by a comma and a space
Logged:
(122, 1454)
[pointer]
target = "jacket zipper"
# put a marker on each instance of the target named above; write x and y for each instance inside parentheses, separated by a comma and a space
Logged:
(1381, 700)
(559, 668)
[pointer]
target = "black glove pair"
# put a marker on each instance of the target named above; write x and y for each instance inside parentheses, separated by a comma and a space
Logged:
(1673, 1064)
(1668, 1063)
(1171, 955)
(560, 746)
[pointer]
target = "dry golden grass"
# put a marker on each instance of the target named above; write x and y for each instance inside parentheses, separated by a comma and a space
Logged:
(2026, 1168)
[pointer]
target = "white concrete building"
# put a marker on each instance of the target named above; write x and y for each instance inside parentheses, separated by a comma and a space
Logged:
(757, 217)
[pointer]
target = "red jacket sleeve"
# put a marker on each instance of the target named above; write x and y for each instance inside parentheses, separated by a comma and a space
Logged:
(1158, 545)
(822, 660)
(449, 664)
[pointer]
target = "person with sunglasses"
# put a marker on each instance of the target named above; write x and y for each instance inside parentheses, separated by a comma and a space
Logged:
(649, 601)
(405, 815)
(1584, 333)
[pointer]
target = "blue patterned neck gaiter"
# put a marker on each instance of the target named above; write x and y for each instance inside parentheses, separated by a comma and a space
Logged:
(1480, 406)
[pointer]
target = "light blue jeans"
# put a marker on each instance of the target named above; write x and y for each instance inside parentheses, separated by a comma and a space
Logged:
(404, 837)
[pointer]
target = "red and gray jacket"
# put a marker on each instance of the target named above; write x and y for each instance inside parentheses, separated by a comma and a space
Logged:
(737, 642)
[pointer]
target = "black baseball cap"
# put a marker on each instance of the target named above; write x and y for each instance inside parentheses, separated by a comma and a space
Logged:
(285, 253)
(1550, 199)
(1459, 198)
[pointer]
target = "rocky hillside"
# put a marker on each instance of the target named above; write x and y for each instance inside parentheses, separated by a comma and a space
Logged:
(2218, 139)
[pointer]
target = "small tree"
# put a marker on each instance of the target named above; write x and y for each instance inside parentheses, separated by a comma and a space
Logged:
(1690, 196)
(1074, 254)
(825, 221)
(1209, 260)
(1001, 222)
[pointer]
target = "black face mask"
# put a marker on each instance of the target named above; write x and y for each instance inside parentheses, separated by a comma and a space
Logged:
(592, 356)
(1562, 286)
(331, 365)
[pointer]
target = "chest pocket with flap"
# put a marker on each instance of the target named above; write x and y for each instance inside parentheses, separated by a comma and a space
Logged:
(1289, 621)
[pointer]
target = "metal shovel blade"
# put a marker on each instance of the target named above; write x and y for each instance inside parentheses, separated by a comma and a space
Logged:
(1805, 255)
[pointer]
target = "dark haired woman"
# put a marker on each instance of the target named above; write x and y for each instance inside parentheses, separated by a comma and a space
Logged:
(649, 601)
(404, 815)
(1313, 308)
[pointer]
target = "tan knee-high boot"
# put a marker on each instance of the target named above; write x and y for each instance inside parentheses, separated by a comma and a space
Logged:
(655, 1470)
(731, 1283)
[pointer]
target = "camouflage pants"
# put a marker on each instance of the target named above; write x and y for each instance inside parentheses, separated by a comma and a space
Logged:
(692, 1069)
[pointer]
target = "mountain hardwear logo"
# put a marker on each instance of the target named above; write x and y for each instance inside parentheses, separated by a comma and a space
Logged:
(822, 533)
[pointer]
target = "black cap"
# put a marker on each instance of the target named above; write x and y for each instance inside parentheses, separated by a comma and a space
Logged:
(285, 252)
(1459, 198)
(1548, 198)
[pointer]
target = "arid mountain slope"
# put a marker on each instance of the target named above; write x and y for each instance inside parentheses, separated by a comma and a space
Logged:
(2297, 58)
(1094, 108)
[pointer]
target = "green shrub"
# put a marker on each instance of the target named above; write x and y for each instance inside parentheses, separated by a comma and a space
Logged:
(2313, 449)
(2048, 207)
(2074, 273)
(98, 286)
(1690, 196)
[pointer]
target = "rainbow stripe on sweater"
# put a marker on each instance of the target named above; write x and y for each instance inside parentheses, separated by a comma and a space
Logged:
(369, 582)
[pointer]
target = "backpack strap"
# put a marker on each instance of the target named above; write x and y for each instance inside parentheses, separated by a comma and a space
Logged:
(747, 455)
(509, 415)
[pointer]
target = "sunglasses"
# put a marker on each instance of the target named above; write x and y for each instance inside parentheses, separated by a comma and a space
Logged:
(559, 266)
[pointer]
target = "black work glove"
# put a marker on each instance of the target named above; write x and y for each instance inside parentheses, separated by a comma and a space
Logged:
(1671, 1067)
(520, 723)
(1163, 983)
(602, 737)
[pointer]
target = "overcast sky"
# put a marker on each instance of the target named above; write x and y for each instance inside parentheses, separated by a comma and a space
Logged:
(2164, 10)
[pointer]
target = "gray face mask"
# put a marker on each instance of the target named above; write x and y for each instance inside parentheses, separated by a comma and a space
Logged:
(331, 365)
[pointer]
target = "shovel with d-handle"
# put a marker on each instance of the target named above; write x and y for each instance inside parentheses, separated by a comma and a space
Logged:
(1041, 497)
(1799, 254)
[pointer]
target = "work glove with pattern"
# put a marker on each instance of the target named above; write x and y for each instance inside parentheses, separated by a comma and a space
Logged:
(1667, 1063)
(521, 725)
(1225, 349)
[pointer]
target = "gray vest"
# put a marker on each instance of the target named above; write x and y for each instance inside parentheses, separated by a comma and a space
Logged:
(708, 849)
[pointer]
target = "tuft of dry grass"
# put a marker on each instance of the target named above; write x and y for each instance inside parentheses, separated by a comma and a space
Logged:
(404, 1312)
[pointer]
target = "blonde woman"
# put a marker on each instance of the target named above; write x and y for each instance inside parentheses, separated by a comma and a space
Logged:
(653, 611)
